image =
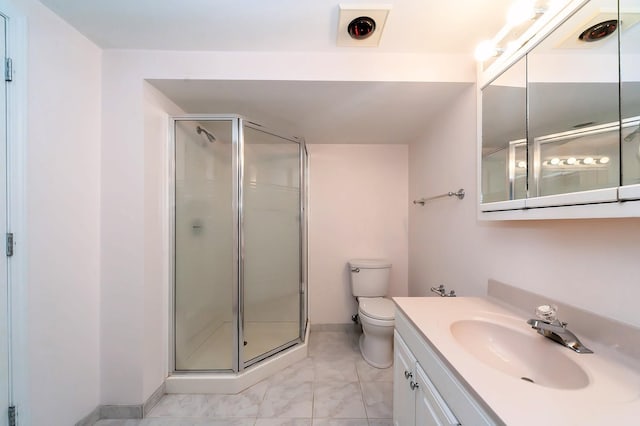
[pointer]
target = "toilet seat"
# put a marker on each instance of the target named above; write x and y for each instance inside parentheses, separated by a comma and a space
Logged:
(377, 308)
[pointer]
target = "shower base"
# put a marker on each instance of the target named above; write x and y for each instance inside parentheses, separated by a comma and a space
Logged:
(260, 338)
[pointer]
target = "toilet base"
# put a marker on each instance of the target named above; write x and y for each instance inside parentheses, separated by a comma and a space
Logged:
(382, 350)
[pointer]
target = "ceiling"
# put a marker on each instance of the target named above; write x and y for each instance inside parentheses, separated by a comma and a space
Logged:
(319, 111)
(422, 26)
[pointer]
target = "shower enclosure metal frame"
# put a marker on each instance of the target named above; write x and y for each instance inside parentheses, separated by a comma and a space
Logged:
(238, 124)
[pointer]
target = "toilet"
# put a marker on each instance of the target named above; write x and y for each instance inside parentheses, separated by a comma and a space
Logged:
(369, 284)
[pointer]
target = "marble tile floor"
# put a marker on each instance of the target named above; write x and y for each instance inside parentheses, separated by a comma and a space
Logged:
(332, 386)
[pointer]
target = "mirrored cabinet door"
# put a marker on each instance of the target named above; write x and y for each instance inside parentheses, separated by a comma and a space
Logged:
(573, 132)
(504, 149)
(630, 90)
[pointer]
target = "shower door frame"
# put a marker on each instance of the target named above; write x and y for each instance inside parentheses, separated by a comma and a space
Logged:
(237, 168)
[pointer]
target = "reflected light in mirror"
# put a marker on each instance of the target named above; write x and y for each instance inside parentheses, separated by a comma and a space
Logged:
(521, 11)
(588, 160)
(604, 160)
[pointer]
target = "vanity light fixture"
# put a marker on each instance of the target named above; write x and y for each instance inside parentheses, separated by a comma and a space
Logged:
(521, 12)
(573, 162)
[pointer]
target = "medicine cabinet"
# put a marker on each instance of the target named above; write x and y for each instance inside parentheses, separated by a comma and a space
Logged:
(561, 119)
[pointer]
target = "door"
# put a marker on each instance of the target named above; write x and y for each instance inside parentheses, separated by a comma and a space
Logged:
(431, 408)
(403, 375)
(271, 243)
(5, 329)
(204, 240)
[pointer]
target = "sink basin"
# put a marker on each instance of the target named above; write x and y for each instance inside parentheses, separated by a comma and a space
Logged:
(526, 356)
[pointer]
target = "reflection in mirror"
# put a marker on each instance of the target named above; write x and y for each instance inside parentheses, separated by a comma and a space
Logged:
(630, 90)
(504, 151)
(573, 104)
(577, 160)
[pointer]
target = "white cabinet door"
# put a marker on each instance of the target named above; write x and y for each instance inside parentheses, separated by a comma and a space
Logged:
(403, 374)
(431, 409)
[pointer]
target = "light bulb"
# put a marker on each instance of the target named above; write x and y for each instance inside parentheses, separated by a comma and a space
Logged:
(555, 161)
(485, 50)
(571, 160)
(588, 160)
(521, 11)
(604, 160)
(522, 164)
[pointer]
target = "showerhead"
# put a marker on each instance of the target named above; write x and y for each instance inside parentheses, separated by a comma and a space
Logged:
(207, 133)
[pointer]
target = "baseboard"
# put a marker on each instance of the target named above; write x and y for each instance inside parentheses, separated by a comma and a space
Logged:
(348, 327)
(90, 419)
(137, 411)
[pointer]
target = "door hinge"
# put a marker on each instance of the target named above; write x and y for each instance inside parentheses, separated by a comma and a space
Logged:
(12, 415)
(8, 69)
(9, 244)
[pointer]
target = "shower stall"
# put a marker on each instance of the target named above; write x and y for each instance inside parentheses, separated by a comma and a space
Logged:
(239, 244)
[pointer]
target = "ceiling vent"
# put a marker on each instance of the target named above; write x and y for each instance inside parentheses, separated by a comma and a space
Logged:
(573, 40)
(361, 25)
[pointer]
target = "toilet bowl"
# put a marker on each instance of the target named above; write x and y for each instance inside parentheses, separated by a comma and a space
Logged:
(376, 342)
(369, 284)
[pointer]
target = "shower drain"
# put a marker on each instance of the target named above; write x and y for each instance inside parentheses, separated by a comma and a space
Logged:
(526, 379)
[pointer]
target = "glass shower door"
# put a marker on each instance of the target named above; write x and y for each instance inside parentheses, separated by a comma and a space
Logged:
(205, 321)
(271, 243)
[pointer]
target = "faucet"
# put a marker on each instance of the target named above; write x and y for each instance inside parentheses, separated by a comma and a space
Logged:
(549, 326)
(440, 290)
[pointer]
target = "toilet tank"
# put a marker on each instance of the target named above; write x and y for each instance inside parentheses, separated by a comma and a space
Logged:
(369, 277)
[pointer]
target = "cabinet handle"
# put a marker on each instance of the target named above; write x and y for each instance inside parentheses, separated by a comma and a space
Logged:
(407, 374)
(413, 385)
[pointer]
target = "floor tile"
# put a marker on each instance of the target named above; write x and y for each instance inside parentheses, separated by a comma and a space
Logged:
(196, 422)
(340, 422)
(378, 399)
(283, 422)
(335, 370)
(368, 373)
(180, 405)
(300, 372)
(338, 400)
(380, 422)
(333, 386)
(288, 400)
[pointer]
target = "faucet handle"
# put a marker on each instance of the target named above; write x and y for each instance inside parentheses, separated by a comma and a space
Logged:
(547, 313)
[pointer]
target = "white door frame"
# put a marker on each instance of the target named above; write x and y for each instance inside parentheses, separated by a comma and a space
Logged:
(16, 134)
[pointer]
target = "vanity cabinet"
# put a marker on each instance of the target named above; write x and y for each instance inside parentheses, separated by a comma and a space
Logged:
(425, 390)
(416, 400)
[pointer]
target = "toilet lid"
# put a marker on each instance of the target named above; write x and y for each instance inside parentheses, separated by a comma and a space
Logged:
(377, 307)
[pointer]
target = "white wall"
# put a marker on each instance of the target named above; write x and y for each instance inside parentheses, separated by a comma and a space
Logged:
(591, 264)
(357, 209)
(63, 213)
(129, 287)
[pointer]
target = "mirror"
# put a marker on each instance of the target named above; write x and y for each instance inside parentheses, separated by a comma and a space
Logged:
(630, 90)
(504, 150)
(572, 83)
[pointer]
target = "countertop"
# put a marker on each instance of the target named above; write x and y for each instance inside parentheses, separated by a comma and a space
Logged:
(612, 395)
